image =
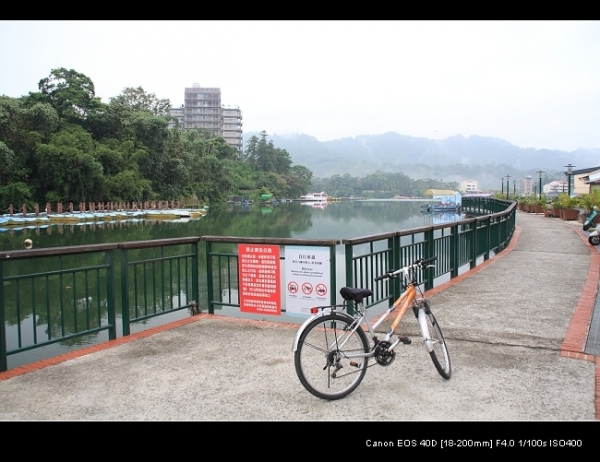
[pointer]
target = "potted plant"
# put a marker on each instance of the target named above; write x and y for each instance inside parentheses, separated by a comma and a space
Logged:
(587, 202)
(555, 207)
(567, 206)
(539, 205)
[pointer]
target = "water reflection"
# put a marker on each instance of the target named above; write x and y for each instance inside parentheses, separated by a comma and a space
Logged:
(337, 220)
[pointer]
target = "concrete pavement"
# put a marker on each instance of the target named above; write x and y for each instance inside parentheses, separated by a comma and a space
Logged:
(516, 328)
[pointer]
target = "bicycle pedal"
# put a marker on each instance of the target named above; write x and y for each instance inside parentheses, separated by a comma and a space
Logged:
(405, 340)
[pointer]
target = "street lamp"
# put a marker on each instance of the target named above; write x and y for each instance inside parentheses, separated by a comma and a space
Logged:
(569, 172)
(515, 188)
(502, 183)
(540, 174)
(507, 185)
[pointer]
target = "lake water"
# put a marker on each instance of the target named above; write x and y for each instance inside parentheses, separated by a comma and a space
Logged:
(337, 220)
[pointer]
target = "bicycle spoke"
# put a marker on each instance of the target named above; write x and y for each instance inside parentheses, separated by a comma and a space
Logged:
(330, 336)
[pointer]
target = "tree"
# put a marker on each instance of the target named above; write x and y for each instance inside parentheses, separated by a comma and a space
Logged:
(68, 168)
(137, 99)
(71, 93)
(42, 118)
(6, 163)
(16, 194)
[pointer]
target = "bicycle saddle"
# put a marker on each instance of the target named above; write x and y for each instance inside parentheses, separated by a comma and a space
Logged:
(357, 295)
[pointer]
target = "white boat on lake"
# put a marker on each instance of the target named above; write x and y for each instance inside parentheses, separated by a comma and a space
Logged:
(317, 197)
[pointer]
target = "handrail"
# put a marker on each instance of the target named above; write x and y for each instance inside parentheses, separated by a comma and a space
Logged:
(66, 295)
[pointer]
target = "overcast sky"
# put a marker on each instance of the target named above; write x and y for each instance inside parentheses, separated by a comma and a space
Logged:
(534, 84)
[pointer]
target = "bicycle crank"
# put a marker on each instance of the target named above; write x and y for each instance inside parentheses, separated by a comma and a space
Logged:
(383, 355)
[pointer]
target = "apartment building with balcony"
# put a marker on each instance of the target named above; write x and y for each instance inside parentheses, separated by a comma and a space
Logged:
(232, 128)
(202, 110)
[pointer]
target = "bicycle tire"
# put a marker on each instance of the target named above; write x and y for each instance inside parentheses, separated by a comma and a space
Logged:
(439, 354)
(321, 359)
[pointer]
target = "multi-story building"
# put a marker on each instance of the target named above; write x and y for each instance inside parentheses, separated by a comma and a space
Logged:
(527, 186)
(232, 127)
(579, 180)
(469, 186)
(555, 188)
(202, 110)
(176, 112)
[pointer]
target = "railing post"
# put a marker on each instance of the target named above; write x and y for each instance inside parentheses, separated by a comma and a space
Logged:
(474, 244)
(125, 292)
(209, 277)
(195, 278)
(428, 253)
(349, 253)
(3, 347)
(454, 250)
(110, 294)
(488, 238)
(332, 275)
(394, 243)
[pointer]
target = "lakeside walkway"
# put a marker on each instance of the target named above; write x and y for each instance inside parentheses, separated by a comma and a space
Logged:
(516, 327)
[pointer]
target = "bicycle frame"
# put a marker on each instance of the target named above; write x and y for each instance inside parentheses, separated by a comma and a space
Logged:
(334, 345)
(407, 299)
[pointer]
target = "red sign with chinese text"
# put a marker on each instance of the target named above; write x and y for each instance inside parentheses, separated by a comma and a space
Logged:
(259, 277)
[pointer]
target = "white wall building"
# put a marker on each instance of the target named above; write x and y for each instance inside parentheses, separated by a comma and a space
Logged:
(202, 110)
(526, 186)
(469, 186)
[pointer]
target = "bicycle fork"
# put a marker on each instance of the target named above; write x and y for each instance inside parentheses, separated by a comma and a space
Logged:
(423, 310)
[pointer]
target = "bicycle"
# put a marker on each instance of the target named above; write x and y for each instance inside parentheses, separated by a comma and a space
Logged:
(332, 350)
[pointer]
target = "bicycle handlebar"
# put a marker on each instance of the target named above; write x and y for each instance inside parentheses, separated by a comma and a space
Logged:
(421, 263)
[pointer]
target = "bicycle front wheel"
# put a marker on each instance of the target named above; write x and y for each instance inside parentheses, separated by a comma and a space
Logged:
(439, 353)
(326, 361)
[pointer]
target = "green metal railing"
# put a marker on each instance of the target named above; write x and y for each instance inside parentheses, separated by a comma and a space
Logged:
(159, 280)
(458, 246)
(64, 294)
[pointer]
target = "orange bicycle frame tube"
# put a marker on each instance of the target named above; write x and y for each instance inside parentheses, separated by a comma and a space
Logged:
(404, 301)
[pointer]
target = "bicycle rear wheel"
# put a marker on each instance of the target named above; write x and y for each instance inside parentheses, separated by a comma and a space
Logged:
(439, 353)
(324, 361)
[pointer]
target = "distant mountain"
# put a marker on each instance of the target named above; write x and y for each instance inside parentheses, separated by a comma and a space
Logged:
(484, 159)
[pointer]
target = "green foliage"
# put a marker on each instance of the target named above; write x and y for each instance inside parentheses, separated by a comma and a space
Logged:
(379, 184)
(6, 163)
(563, 201)
(16, 194)
(62, 144)
(67, 165)
(541, 202)
(71, 93)
(137, 99)
(588, 201)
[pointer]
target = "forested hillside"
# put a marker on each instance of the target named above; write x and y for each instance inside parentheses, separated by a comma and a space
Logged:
(484, 159)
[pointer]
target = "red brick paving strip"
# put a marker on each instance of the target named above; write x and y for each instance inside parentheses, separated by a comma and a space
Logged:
(573, 345)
